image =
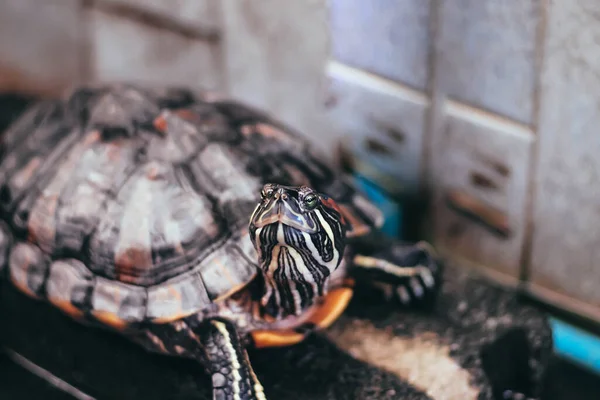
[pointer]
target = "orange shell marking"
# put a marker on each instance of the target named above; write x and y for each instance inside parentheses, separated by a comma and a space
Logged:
(68, 308)
(160, 124)
(110, 319)
(333, 306)
(24, 289)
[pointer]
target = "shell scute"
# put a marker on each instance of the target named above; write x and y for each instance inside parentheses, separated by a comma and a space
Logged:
(180, 138)
(226, 270)
(26, 168)
(70, 206)
(235, 190)
(93, 184)
(154, 228)
(69, 285)
(122, 109)
(28, 268)
(41, 221)
(118, 304)
(178, 297)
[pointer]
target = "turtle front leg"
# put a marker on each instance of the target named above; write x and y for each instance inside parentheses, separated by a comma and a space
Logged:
(216, 345)
(410, 272)
(227, 361)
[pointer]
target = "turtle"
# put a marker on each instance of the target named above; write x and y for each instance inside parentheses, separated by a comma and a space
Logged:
(192, 223)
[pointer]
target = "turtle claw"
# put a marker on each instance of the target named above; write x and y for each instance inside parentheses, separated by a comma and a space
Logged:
(417, 287)
(411, 292)
(428, 278)
(403, 295)
(410, 272)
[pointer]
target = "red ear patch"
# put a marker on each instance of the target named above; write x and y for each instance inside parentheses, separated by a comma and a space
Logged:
(329, 202)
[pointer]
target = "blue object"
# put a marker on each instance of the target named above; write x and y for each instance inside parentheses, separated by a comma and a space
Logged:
(577, 345)
(392, 211)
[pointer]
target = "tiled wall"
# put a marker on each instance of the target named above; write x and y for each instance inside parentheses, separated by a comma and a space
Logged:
(488, 107)
(498, 105)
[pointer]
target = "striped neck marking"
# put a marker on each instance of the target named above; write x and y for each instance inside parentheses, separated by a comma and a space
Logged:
(298, 248)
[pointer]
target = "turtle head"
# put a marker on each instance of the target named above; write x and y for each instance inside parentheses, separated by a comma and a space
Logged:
(299, 235)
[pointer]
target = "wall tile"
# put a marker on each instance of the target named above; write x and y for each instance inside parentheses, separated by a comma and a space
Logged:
(481, 187)
(486, 54)
(386, 37)
(566, 251)
(193, 12)
(126, 50)
(275, 56)
(386, 122)
(40, 44)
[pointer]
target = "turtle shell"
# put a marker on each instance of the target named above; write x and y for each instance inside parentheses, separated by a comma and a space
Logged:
(131, 205)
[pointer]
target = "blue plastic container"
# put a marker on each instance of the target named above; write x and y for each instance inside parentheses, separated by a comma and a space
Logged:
(576, 345)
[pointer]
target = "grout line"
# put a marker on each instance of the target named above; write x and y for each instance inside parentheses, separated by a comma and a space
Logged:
(218, 49)
(432, 128)
(579, 309)
(489, 120)
(530, 199)
(86, 46)
(156, 20)
(372, 81)
(46, 375)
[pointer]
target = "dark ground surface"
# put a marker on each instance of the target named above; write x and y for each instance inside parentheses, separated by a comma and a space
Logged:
(485, 327)
(564, 381)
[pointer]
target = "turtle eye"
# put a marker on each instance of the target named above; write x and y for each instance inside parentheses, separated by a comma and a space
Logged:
(266, 192)
(310, 201)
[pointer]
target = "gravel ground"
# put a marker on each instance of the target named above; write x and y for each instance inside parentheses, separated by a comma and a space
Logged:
(564, 381)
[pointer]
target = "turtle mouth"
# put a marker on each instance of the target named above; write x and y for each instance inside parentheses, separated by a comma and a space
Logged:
(279, 211)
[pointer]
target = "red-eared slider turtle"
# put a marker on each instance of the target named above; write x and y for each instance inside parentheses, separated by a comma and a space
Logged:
(195, 226)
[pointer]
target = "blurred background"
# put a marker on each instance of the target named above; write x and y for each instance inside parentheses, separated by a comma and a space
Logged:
(475, 121)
